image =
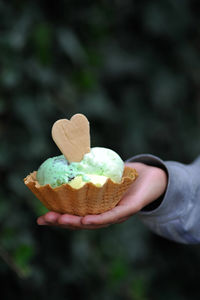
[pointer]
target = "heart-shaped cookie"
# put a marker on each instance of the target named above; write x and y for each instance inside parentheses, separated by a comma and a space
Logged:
(72, 137)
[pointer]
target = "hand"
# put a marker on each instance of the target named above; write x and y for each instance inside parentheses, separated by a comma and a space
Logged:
(149, 186)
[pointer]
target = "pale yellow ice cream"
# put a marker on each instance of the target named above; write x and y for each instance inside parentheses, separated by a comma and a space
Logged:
(97, 180)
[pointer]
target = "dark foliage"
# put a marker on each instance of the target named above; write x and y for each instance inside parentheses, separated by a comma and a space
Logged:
(133, 67)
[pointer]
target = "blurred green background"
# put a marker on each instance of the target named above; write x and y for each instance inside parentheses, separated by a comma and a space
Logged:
(133, 68)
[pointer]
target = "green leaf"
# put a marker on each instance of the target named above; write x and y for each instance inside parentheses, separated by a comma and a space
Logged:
(22, 257)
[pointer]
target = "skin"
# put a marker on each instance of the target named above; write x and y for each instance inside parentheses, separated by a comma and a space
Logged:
(149, 186)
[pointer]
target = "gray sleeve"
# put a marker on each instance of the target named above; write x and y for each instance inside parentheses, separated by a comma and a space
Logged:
(178, 216)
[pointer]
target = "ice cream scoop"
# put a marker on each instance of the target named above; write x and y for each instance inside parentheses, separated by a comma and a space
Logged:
(102, 161)
(56, 171)
(99, 161)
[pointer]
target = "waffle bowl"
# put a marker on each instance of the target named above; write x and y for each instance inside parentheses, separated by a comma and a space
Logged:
(89, 199)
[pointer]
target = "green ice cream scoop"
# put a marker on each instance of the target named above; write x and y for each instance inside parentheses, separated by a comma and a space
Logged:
(56, 171)
(100, 161)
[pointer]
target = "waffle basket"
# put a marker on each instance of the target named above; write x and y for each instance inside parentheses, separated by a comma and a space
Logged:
(89, 199)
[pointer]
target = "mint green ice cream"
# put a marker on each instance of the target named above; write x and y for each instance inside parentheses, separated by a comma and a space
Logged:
(100, 161)
(56, 171)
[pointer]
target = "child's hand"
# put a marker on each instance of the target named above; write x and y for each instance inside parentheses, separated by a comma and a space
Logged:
(149, 186)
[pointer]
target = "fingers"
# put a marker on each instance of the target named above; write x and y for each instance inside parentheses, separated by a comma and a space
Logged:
(75, 222)
(41, 221)
(55, 219)
(72, 221)
(66, 221)
(49, 218)
(118, 214)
